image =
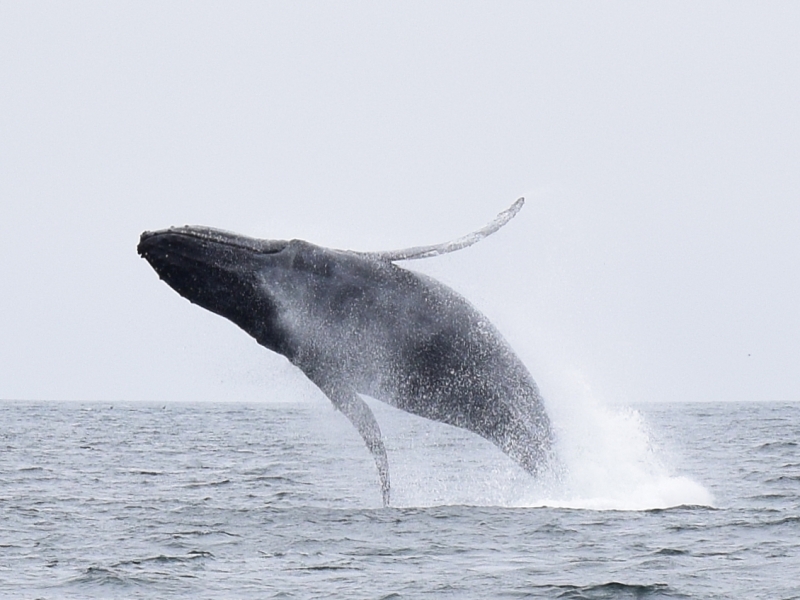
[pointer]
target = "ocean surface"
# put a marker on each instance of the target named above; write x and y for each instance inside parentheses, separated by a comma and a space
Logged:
(282, 501)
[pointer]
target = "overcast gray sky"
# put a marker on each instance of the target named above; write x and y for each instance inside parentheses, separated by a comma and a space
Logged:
(657, 258)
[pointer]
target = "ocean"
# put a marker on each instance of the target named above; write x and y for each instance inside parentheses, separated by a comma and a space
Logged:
(281, 500)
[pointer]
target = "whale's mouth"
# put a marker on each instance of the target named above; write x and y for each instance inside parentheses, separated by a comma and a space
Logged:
(208, 236)
(189, 257)
(217, 270)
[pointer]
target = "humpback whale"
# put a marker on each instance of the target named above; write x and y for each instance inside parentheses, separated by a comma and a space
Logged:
(357, 323)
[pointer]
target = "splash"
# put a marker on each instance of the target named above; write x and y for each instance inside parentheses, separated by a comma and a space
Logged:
(608, 460)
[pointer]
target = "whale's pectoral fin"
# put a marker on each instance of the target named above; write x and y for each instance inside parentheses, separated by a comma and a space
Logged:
(360, 415)
(462, 242)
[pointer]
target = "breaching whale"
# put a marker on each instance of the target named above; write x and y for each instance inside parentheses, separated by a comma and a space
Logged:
(356, 323)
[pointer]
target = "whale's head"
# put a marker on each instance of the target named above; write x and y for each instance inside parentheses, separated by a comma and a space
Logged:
(220, 271)
(291, 296)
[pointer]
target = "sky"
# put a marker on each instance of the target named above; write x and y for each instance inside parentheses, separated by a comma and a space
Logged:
(657, 258)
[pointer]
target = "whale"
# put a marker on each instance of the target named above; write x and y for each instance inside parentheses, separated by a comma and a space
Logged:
(358, 324)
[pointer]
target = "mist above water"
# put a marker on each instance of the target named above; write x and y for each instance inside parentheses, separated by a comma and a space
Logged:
(606, 459)
(611, 459)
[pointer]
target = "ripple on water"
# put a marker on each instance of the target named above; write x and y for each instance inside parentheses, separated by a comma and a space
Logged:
(167, 505)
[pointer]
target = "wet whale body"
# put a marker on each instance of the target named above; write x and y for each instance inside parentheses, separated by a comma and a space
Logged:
(356, 323)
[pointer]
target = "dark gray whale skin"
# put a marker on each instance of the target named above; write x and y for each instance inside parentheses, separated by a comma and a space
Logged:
(355, 323)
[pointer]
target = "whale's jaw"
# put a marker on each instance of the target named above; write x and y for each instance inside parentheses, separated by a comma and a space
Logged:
(217, 270)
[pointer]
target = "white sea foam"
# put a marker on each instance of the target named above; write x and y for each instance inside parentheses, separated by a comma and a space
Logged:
(608, 459)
